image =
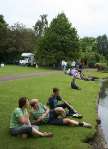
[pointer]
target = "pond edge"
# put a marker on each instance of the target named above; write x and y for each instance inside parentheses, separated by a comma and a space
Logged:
(98, 140)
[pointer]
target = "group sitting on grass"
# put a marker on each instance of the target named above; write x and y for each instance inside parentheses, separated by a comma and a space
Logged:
(53, 103)
(78, 74)
(24, 123)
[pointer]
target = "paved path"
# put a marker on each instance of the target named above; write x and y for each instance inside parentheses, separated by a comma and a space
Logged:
(26, 75)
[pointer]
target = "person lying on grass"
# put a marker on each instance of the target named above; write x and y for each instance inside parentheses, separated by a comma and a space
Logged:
(78, 74)
(53, 103)
(40, 114)
(20, 123)
(89, 78)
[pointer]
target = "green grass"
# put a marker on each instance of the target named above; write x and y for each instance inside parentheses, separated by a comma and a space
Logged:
(94, 72)
(13, 70)
(40, 87)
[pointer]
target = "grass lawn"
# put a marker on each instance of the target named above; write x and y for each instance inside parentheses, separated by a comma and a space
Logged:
(13, 70)
(40, 87)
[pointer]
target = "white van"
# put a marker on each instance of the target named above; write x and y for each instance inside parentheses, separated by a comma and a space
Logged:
(27, 59)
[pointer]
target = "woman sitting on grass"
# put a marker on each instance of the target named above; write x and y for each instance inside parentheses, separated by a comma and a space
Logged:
(20, 123)
(42, 115)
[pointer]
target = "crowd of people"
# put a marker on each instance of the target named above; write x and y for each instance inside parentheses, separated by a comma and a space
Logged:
(29, 114)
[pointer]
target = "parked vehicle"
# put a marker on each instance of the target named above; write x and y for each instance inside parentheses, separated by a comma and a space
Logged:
(27, 59)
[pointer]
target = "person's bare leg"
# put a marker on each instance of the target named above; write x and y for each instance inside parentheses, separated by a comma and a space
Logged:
(36, 132)
(71, 122)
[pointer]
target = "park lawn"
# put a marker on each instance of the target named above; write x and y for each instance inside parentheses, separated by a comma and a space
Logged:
(40, 87)
(94, 72)
(16, 69)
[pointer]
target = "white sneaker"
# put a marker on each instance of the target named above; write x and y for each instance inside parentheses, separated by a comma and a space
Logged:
(77, 115)
(87, 125)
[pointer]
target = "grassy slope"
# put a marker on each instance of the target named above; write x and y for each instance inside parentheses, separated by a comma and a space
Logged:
(40, 87)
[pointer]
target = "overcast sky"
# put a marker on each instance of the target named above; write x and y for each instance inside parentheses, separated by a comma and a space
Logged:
(90, 17)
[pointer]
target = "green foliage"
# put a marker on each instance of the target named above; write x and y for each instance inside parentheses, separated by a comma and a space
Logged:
(94, 50)
(24, 38)
(59, 42)
(88, 50)
(14, 40)
(51, 44)
(88, 44)
(102, 45)
(101, 66)
(3, 36)
(41, 26)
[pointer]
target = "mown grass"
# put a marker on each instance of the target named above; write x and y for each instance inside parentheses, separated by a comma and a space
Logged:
(40, 87)
(16, 69)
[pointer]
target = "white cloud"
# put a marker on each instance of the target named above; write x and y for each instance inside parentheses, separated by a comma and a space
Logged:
(89, 16)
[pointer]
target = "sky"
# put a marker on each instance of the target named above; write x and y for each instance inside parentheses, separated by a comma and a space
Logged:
(90, 17)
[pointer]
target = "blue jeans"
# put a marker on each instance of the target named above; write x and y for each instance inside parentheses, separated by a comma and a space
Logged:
(24, 129)
(53, 118)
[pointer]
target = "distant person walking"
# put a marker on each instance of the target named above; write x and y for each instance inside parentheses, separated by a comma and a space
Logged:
(64, 65)
(2, 65)
(73, 64)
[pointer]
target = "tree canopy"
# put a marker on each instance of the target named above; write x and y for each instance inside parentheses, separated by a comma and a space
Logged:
(59, 42)
(14, 40)
(51, 43)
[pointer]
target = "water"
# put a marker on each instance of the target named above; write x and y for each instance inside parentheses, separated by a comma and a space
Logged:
(103, 108)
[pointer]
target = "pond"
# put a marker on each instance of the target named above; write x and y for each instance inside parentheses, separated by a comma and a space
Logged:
(103, 108)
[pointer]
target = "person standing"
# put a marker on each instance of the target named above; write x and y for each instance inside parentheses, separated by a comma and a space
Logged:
(73, 64)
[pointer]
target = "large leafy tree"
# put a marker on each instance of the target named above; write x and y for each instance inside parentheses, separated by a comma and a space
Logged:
(88, 44)
(41, 25)
(23, 38)
(3, 36)
(3, 32)
(14, 40)
(88, 50)
(102, 45)
(59, 42)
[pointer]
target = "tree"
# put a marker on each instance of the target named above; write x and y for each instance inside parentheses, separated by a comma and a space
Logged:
(3, 37)
(88, 50)
(59, 42)
(88, 44)
(15, 40)
(41, 25)
(102, 45)
(24, 38)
